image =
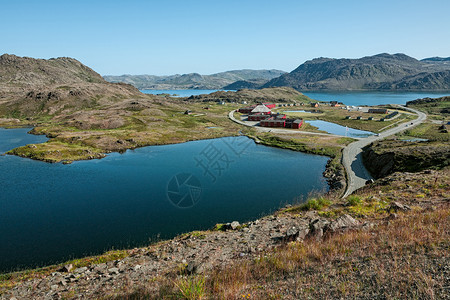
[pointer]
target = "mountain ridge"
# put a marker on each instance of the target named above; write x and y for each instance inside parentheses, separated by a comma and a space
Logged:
(194, 80)
(378, 72)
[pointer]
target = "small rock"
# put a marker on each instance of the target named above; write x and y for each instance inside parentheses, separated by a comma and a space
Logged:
(191, 268)
(302, 234)
(396, 206)
(316, 228)
(312, 215)
(291, 232)
(113, 271)
(392, 217)
(66, 268)
(80, 270)
(343, 222)
(62, 282)
(367, 226)
(234, 225)
(54, 287)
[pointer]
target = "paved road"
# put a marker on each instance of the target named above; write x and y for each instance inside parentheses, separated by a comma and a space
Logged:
(357, 174)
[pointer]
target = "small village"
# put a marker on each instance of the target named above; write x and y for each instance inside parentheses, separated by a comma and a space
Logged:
(262, 113)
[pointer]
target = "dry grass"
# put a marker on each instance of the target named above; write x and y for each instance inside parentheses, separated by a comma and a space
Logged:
(400, 259)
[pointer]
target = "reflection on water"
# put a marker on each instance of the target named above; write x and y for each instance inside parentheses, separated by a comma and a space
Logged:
(339, 130)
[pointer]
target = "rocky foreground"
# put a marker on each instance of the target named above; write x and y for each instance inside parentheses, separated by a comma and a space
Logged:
(394, 230)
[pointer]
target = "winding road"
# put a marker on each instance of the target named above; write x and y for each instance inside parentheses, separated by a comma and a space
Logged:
(357, 175)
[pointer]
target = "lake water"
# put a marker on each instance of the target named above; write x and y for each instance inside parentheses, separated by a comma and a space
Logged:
(53, 212)
(13, 138)
(339, 130)
(372, 98)
(348, 98)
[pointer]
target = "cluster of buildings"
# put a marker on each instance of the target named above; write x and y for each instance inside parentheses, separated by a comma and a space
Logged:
(262, 113)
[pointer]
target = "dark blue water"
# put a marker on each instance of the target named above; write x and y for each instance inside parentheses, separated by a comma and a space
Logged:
(180, 93)
(338, 129)
(13, 138)
(53, 212)
(373, 98)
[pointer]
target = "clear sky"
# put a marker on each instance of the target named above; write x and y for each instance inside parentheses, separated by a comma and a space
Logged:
(207, 36)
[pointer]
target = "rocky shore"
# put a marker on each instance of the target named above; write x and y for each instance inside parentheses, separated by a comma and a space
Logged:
(196, 252)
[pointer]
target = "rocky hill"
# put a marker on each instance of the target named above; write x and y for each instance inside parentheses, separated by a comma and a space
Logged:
(195, 80)
(388, 156)
(30, 86)
(281, 94)
(437, 60)
(246, 84)
(379, 72)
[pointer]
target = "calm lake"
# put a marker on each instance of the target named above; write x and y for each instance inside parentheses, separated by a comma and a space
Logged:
(372, 98)
(338, 129)
(348, 98)
(53, 212)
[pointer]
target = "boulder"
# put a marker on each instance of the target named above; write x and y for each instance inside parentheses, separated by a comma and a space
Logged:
(396, 206)
(191, 267)
(291, 234)
(342, 223)
(66, 268)
(234, 225)
(316, 228)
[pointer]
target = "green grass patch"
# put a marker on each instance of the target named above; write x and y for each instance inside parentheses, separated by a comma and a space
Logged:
(311, 204)
(428, 131)
(57, 151)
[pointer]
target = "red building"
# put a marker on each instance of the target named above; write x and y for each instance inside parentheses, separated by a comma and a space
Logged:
(246, 110)
(297, 124)
(270, 105)
(378, 111)
(294, 123)
(257, 117)
(279, 116)
(271, 122)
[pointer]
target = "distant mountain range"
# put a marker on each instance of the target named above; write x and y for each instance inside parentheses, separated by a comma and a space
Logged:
(379, 72)
(384, 71)
(195, 80)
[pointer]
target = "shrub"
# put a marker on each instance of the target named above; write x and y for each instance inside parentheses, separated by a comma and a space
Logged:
(353, 200)
(191, 287)
(315, 204)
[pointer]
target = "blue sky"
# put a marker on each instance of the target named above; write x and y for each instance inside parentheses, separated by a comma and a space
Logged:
(206, 36)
